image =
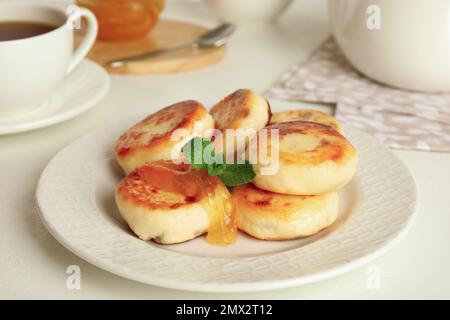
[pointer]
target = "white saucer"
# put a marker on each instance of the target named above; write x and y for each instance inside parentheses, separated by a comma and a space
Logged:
(79, 92)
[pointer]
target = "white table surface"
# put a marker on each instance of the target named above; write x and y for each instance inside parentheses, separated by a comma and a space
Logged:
(33, 264)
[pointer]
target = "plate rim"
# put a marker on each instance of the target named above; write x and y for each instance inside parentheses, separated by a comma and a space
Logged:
(236, 286)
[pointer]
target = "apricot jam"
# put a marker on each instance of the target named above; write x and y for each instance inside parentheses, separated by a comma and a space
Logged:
(196, 186)
(121, 20)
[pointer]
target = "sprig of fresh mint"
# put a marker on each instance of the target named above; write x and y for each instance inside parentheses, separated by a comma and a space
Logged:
(200, 153)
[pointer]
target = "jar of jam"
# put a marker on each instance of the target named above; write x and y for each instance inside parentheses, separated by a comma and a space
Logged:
(124, 20)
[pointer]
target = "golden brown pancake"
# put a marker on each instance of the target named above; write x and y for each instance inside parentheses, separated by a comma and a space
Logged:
(243, 109)
(312, 158)
(150, 140)
(172, 203)
(306, 115)
(272, 216)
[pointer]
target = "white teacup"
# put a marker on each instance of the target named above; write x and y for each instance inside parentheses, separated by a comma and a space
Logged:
(31, 68)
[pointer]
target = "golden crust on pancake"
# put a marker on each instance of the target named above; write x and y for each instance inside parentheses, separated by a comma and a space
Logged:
(135, 189)
(312, 159)
(243, 109)
(306, 115)
(150, 139)
(165, 216)
(271, 216)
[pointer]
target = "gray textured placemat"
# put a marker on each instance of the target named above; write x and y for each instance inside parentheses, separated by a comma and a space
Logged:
(399, 118)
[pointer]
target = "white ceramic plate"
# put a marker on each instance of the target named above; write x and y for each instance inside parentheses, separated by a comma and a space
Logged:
(75, 197)
(79, 92)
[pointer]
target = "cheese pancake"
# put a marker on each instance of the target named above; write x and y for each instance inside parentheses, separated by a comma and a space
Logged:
(243, 109)
(172, 203)
(306, 115)
(271, 216)
(151, 139)
(313, 159)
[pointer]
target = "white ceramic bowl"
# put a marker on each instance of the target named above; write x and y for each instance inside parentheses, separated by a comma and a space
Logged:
(248, 11)
(411, 50)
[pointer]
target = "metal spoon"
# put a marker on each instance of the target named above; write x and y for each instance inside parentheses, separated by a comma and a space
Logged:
(214, 38)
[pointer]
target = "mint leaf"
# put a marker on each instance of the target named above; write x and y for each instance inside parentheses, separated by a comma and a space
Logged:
(200, 153)
(194, 150)
(237, 174)
(216, 169)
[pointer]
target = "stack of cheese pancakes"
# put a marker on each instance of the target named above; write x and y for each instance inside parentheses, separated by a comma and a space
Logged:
(300, 198)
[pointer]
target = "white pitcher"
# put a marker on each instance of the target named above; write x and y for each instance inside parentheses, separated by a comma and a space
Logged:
(402, 43)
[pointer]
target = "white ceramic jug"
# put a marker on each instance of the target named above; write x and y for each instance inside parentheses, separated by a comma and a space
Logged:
(403, 43)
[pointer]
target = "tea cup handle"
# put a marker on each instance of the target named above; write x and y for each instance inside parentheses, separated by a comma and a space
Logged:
(89, 38)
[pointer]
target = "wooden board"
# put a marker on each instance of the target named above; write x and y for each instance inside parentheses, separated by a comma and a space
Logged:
(166, 33)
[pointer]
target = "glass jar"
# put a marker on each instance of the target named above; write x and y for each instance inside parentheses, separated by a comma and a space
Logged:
(124, 20)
